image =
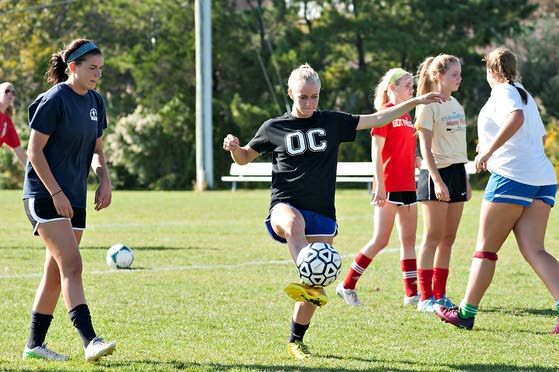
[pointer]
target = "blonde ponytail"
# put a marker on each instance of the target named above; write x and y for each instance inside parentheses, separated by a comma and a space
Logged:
(394, 75)
(430, 70)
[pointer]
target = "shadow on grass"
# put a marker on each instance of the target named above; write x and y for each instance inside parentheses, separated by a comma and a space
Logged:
(152, 248)
(185, 366)
(519, 311)
(413, 365)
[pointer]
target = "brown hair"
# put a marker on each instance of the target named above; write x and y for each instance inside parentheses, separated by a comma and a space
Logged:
(502, 62)
(430, 68)
(56, 72)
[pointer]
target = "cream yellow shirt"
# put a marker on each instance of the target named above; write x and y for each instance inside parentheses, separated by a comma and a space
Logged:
(447, 122)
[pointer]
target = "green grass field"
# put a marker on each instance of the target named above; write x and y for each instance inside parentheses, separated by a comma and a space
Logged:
(205, 294)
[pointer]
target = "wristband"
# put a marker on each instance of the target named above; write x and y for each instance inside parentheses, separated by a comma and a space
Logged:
(56, 193)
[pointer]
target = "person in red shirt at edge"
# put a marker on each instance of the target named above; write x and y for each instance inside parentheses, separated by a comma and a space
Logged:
(8, 134)
(394, 159)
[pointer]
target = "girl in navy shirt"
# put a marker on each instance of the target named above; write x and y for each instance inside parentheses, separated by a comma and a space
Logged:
(67, 125)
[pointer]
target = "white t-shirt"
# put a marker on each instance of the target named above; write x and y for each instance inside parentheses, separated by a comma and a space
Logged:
(522, 157)
(447, 122)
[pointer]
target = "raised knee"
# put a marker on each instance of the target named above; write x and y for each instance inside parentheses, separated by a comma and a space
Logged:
(491, 256)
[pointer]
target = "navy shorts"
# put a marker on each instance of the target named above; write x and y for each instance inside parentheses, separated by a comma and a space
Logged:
(454, 177)
(315, 225)
(42, 210)
(500, 189)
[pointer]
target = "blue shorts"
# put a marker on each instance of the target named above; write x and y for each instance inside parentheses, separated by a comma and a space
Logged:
(315, 225)
(500, 189)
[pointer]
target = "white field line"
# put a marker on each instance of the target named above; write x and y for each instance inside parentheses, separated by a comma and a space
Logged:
(184, 268)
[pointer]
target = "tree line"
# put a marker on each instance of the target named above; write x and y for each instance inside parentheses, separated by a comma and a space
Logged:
(149, 75)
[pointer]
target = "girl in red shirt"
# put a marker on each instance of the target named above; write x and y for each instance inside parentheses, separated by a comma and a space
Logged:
(394, 159)
(8, 134)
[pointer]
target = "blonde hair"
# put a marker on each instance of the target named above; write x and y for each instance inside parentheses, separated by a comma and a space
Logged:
(502, 62)
(392, 76)
(430, 69)
(3, 87)
(303, 73)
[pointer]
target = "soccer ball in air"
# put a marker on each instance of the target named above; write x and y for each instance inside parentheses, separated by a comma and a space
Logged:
(120, 256)
(318, 264)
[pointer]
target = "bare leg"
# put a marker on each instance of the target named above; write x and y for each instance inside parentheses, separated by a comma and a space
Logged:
(452, 220)
(288, 223)
(491, 236)
(383, 224)
(530, 233)
(48, 291)
(406, 224)
(434, 220)
(62, 245)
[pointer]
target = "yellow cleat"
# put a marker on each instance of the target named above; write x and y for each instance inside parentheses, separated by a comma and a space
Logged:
(307, 293)
(298, 350)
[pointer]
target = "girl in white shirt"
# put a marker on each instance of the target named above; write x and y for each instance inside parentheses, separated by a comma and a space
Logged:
(521, 189)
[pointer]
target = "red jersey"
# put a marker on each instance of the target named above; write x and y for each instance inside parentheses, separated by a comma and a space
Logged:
(8, 134)
(398, 153)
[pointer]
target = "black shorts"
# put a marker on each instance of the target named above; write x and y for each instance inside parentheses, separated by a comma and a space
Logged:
(42, 210)
(454, 177)
(401, 198)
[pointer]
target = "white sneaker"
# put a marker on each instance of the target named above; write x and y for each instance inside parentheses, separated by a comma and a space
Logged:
(98, 348)
(426, 306)
(413, 300)
(42, 352)
(349, 295)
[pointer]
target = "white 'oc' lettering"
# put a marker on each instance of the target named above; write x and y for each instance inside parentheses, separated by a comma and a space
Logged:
(297, 143)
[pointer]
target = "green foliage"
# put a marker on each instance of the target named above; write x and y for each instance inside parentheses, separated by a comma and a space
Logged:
(154, 150)
(149, 48)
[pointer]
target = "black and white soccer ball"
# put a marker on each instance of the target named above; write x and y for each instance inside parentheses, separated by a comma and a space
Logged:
(120, 256)
(318, 264)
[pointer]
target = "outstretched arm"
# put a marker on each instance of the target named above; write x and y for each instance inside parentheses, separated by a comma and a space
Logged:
(383, 117)
(241, 155)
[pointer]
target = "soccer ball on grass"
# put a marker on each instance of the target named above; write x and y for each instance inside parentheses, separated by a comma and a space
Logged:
(318, 264)
(119, 256)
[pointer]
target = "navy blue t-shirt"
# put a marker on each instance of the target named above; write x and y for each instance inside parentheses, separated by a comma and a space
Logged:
(73, 123)
(305, 157)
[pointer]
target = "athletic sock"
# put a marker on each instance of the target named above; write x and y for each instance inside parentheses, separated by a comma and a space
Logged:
(440, 275)
(40, 324)
(297, 331)
(467, 311)
(357, 269)
(81, 318)
(425, 277)
(409, 273)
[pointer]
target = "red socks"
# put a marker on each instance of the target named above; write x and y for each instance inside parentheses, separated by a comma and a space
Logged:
(425, 283)
(440, 276)
(359, 266)
(409, 273)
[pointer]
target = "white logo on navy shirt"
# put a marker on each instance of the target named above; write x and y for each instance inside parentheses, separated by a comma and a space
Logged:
(93, 114)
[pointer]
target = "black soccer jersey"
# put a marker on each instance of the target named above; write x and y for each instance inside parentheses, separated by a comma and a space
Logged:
(305, 157)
